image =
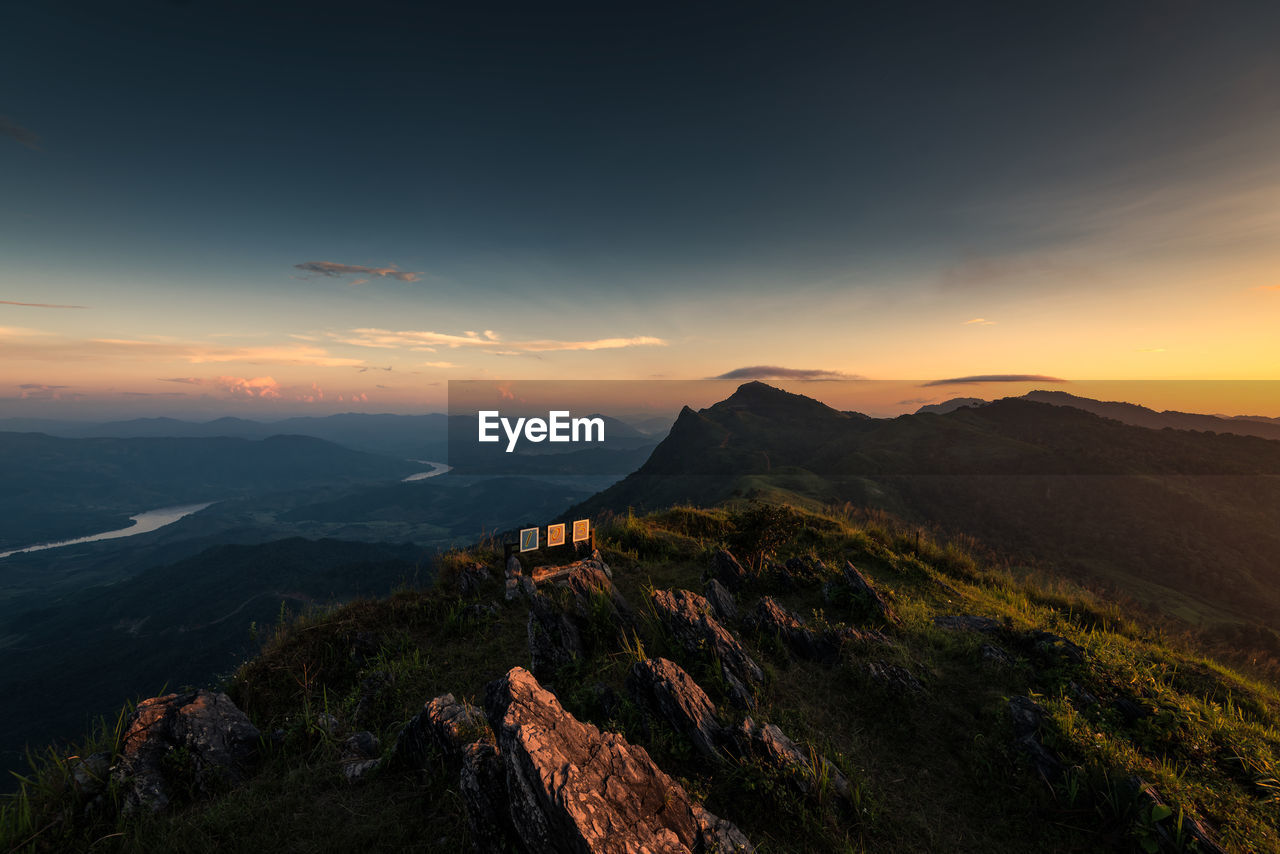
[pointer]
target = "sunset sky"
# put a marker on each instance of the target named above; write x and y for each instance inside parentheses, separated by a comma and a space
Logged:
(207, 208)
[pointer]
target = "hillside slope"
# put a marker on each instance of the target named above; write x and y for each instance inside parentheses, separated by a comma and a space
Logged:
(946, 706)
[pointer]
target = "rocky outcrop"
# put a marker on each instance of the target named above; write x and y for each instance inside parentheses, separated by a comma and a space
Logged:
(444, 725)
(483, 783)
(810, 773)
(190, 744)
(771, 618)
(472, 579)
(665, 689)
(1027, 720)
(687, 616)
(726, 569)
(1166, 838)
(1046, 647)
(566, 616)
(721, 601)
(894, 677)
(571, 788)
(865, 592)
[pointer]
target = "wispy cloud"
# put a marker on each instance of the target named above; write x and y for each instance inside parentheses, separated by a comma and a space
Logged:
(1267, 288)
(994, 378)
(979, 321)
(18, 343)
(40, 391)
(773, 372)
(16, 132)
(426, 341)
(39, 304)
(334, 270)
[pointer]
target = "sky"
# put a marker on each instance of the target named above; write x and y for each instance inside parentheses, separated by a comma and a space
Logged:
(215, 208)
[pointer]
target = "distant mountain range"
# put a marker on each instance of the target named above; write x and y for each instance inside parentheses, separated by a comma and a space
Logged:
(1131, 413)
(1187, 520)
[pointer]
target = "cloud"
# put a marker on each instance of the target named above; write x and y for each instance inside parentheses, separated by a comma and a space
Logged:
(994, 378)
(425, 341)
(979, 321)
(16, 343)
(1267, 288)
(262, 388)
(329, 268)
(40, 391)
(438, 365)
(772, 372)
(39, 304)
(916, 400)
(15, 131)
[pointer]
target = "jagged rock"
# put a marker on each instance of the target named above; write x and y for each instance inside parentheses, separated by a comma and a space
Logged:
(483, 783)
(513, 568)
(992, 654)
(968, 622)
(554, 639)
(195, 742)
(895, 677)
(445, 725)
(1056, 647)
(780, 575)
(1027, 718)
(571, 788)
(359, 756)
(666, 689)
(721, 601)
(865, 591)
(512, 589)
(771, 744)
(471, 579)
(687, 616)
(806, 570)
(1165, 837)
(561, 621)
(772, 618)
(726, 569)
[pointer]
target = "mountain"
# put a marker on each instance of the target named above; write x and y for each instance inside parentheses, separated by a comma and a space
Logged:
(1141, 416)
(950, 405)
(1184, 520)
(849, 684)
(59, 488)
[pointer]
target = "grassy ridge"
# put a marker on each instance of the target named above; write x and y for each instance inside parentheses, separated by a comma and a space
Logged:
(935, 771)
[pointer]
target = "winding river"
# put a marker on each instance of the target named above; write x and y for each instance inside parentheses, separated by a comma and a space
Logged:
(143, 523)
(154, 520)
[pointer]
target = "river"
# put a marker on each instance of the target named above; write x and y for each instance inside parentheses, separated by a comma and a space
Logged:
(143, 523)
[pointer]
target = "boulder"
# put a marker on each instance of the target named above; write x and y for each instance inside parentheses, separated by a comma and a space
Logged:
(894, 677)
(806, 770)
(664, 688)
(721, 601)
(771, 618)
(992, 654)
(726, 569)
(483, 783)
(566, 619)
(444, 725)
(571, 788)
(865, 591)
(687, 616)
(1027, 719)
(183, 744)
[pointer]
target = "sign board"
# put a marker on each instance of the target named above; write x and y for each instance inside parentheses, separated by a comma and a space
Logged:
(555, 535)
(582, 530)
(528, 539)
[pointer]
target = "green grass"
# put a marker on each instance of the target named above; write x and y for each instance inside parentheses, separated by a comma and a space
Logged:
(936, 771)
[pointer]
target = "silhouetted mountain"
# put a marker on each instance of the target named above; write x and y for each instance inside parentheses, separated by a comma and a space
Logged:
(950, 405)
(1171, 516)
(1141, 416)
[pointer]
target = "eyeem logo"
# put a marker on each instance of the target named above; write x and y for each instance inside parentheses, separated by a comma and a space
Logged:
(558, 427)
